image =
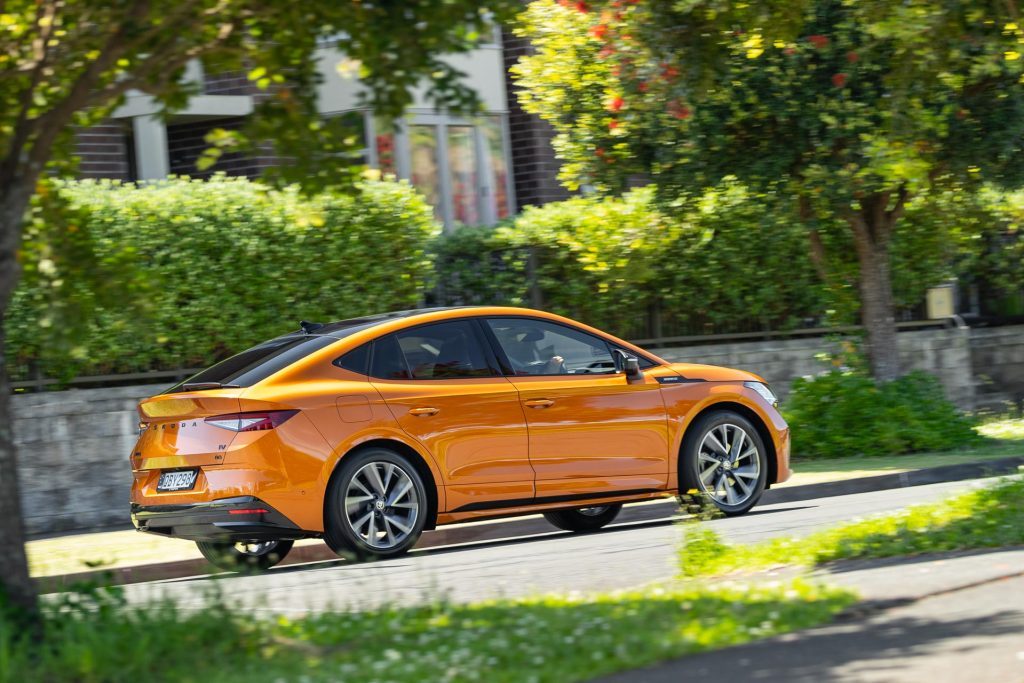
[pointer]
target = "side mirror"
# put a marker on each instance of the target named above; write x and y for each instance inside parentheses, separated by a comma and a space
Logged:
(630, 365)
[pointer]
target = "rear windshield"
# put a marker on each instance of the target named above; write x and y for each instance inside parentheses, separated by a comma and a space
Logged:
(261, 361)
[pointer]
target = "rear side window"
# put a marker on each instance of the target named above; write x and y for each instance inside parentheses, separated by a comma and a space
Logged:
(449, 350)
(355, 360)
(256, 364)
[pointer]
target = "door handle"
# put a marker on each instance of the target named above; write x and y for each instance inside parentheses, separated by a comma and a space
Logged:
(425, 411)
(538, 402)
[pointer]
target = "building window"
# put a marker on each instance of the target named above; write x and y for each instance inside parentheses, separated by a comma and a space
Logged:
(459, 165)
(462, 175)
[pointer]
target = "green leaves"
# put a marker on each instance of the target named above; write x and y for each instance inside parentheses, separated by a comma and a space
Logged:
(213, 267)
(842, 99)
(847, 413)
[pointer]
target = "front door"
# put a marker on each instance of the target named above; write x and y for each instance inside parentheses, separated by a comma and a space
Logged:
(591, 430)
(442, 385)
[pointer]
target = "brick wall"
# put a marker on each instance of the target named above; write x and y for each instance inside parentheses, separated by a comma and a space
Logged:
(534, 166)
(104, 151)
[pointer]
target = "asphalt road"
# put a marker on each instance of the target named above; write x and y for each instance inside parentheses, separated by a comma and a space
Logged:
(943, 630)
(620, 556)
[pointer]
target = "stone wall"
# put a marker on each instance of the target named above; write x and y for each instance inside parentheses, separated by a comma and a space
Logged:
(74, 445)
(997, 360)
(945, 353)
(73, 449)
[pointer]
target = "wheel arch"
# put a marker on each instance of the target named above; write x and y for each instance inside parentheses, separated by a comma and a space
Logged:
(417, 460)
(755, 419)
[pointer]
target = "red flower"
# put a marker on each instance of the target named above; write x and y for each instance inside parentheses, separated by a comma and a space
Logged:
(669, 71)
(616, 103)
(606, 51)
(613, 124)
(852, 57)
(641, 86)
(679, 110)
(582, 6)
(599, 31)
(819, 41)
(789, 51)
(839, 80)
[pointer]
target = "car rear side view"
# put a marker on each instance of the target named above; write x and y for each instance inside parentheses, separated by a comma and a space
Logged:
(366, 432)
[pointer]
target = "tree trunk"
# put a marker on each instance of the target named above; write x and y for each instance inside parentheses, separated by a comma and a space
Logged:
(872, 228)
(14, 576)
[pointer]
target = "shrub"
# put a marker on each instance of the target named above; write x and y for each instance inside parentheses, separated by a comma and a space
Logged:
(848, 413)
(727, 265)
(227, 263)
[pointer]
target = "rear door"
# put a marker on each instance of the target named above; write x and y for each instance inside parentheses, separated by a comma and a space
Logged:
(591, 430)
(442, 384)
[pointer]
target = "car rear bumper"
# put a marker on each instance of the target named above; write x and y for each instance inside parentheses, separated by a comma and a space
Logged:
(242, 518)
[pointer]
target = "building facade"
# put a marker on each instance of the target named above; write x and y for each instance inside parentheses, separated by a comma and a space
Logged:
(473, 171)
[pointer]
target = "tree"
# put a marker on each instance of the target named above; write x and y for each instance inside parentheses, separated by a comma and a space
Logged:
(68, 63)
(847, 109)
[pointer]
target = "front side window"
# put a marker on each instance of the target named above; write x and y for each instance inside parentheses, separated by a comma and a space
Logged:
(449, 350)
(535, 347)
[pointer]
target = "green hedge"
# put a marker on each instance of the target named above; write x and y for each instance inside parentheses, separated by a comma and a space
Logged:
(182, 272)
(223, 264)
(847, 413)
(728, 265)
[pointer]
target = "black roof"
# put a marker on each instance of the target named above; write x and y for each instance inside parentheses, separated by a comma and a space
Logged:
(343, 328)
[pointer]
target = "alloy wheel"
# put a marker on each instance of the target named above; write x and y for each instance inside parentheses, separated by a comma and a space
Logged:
(728, 464)
(381, 504)
(255, 548)
(595, 511)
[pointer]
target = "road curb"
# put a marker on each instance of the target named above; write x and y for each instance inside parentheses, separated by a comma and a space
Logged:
(535, 525)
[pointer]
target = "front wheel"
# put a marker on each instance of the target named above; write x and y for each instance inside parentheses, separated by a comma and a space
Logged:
(244, 556)
(725, 459)
(584, 519)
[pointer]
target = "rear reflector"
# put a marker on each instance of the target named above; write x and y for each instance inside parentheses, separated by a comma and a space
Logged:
(251, 422)
(252, 511)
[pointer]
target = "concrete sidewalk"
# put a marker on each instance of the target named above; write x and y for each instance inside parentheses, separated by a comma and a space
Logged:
(179, 559)
(938, 618)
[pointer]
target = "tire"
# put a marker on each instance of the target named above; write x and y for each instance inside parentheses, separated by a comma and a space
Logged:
(723, 484)
(351, 530)
(248, 557)
(584, 519)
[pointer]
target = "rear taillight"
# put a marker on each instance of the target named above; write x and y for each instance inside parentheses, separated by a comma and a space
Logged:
(251, 422)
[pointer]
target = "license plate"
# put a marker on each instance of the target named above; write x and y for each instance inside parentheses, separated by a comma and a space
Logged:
(179, 480)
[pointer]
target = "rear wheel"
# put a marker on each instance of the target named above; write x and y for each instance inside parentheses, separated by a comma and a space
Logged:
(244, 556)
(376, 506)
(725, 459)
(584, 519)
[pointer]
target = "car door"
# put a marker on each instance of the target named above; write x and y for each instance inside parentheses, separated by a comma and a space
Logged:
(591, 430)
(443, 386)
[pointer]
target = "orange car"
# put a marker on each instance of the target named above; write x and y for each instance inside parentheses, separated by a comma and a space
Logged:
(368, 431)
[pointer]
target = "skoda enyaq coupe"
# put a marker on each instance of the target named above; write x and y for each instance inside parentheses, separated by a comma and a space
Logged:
(366, 432)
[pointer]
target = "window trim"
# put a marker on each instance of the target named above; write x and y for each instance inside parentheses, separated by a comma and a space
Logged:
(507, 366)
(482, 342)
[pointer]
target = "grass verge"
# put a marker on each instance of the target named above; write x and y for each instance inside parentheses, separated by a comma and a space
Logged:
(95, 636)
(985, 518)
(1002, 438)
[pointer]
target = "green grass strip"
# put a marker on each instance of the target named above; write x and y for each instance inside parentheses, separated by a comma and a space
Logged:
(96, 637)
(985, 518)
